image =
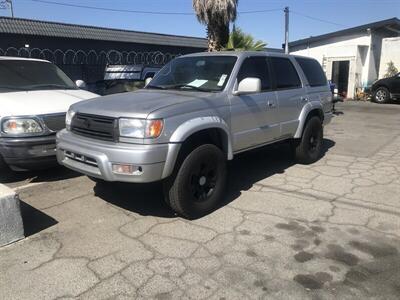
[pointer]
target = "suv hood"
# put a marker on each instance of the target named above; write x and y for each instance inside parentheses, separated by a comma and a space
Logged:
(138, 104)
(32, 103)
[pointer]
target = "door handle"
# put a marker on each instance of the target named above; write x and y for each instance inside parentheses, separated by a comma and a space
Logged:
(271, 104)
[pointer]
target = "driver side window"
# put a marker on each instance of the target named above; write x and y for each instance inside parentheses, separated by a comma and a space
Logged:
(255, 67)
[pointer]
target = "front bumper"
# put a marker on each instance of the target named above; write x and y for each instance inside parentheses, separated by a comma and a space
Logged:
(395, 96)
(29, 153)
(95, 158)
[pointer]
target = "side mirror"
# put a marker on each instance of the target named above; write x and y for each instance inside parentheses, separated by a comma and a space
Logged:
(147, 80)
(80, 84)
(248, 85)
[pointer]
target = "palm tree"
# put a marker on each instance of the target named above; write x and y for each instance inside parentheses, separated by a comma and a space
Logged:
(216, 15)
(240, 41)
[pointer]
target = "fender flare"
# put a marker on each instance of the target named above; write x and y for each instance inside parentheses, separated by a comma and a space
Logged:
(188, 128)
(310, 106)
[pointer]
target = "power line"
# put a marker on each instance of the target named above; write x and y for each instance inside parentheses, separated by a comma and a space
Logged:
(259, 11)
(317, 19)
(141, 11)
(175, 13)
(112, 9)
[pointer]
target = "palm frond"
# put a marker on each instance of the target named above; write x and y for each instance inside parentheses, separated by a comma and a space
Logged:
(216, 15)
(215, 11)
(240, 41)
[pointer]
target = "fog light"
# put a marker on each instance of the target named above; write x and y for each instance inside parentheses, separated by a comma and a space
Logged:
(126, 169)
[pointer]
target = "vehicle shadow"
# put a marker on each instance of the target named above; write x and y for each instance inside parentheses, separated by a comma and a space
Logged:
(243, 172)
(48, 175)
(144, 199)
(251, 167)
(338, 112)
(34, 220)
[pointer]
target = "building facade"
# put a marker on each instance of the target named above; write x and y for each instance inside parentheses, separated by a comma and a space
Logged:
(84, 51)
(390, 53)
(353, 58)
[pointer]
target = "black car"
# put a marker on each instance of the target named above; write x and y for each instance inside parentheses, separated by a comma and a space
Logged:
(386, 89)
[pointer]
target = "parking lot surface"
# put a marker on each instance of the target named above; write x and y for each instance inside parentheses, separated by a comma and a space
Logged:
(330, 230)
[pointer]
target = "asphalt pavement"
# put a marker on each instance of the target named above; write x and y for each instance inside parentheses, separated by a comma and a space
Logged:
(330, 230)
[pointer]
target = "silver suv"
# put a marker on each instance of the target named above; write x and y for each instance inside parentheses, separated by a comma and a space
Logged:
(198, 112)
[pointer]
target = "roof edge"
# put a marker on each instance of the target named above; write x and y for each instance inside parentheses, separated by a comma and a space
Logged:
(103, 28)
(378, 24)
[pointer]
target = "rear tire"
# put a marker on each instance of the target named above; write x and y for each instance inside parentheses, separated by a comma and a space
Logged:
(309, 149)
(199, 183)
(382, 95)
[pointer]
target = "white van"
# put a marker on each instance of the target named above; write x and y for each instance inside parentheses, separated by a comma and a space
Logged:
(34, 98)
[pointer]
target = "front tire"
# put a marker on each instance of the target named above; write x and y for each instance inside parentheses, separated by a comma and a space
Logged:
(4, 169)
(309, 149)
(97, 180)
(382, 95)
(199, 184)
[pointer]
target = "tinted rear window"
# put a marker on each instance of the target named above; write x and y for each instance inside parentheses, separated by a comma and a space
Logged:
(285, 73)
(313, 71)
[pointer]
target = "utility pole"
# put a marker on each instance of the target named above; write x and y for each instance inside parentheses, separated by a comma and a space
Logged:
(286, 10)
(11, 7)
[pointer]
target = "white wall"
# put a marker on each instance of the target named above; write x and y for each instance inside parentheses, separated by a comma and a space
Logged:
(390, 52)
(333, 47)
(342, 48)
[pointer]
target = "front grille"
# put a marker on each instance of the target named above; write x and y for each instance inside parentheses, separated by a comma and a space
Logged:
(97, 127)
(54, 122)
(81, 158)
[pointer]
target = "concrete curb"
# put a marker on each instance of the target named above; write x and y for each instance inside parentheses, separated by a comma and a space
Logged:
(11, 225)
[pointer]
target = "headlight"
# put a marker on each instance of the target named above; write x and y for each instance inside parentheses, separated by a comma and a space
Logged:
(139, 128)
(20, 126)
(68, 118)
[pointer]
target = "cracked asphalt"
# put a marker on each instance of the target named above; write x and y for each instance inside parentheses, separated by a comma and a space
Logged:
(330, 230)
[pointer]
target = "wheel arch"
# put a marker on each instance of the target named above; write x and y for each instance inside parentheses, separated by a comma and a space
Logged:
(194, 132)
(307, 113)
(381, 85)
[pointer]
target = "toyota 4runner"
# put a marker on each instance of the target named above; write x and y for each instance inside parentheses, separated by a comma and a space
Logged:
(199, 111)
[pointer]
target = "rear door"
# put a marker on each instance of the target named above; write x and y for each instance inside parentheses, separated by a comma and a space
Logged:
(291, 94)
(317, 85)
(254, 116)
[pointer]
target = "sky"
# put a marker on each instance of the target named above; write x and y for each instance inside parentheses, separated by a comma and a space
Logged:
(332, 15)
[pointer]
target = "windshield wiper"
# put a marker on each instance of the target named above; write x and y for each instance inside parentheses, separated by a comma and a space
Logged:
(156, 87)
(180, 86)
(57, 86)
(5, 87)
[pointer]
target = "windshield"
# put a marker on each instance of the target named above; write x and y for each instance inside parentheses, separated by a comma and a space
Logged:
(201, 73)
(25, 75)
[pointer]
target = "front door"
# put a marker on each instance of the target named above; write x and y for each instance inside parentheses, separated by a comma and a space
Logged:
(396, 85)
(254, 116)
